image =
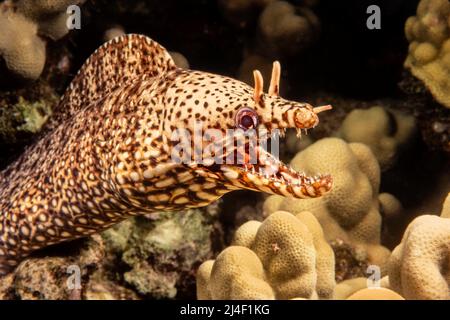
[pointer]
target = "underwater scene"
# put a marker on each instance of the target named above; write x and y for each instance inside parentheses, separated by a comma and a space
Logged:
(224, 150)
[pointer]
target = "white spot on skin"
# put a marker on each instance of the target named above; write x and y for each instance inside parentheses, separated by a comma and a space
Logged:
(59, 222)
(135, 176)
(120, 179)
(148, 174)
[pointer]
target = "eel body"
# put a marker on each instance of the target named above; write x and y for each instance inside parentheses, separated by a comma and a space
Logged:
(108, 152)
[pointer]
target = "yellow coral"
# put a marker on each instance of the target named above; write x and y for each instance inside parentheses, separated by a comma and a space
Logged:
(390, 206)
(20, 44)
(446, 207)
(287, 257)
(238, 273)
(351, 210)
(429, 52)
(49, 15)
(375, 294)
(20, 47)
(239, 11)
(419, 267)
(255, 62)
(346, 288)
(287, 28)
(374, 128)
(203, 275)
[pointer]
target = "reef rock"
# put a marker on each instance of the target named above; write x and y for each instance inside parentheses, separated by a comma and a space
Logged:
(429, 51)
(419, 265)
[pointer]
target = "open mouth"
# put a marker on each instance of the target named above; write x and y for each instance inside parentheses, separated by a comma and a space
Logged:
(262, 171)
(252, 166)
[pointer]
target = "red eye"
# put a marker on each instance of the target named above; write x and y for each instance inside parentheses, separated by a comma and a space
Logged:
(246, 118)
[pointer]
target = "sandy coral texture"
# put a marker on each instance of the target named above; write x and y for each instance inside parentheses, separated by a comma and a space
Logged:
(350, 212)
(419, 267)
(384, 131)
(429, 51)
(284, 257)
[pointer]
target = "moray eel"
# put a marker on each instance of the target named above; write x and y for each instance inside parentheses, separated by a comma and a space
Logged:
(107, 153)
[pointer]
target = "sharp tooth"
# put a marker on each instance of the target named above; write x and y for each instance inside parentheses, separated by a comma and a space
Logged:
(311, 191)
(253, 169)
(283, 190)
(286, 176)
(299, 132)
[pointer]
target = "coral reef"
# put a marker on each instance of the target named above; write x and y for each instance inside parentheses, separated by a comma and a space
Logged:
(346, 288)
(24, 58)
(53, 277)
(287, 29)
(179, 60)
(350, 263)
(161, 253)
(25, 25)
(419, 266)
(239, 12)
(284, 257)
(384, 131)
(254, 62)
(145, 257)
(350, 212)
(429, 51)
(386, 151)
(375, 294)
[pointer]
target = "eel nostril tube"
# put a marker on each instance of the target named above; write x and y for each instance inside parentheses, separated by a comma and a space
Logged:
(322, 108)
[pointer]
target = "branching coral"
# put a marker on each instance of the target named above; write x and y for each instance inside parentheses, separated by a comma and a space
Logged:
(284, 257)
(288, 29)
(429, 51)
(419, 267)
(384, 131)
(25, 24)
(351, 210)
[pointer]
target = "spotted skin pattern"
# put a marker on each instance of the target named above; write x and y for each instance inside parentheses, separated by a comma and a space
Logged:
(106, 153)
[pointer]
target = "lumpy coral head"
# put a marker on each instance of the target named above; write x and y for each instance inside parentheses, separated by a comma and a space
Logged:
(290, 251)
(419, 267)
(429, 50)
(351, 210)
